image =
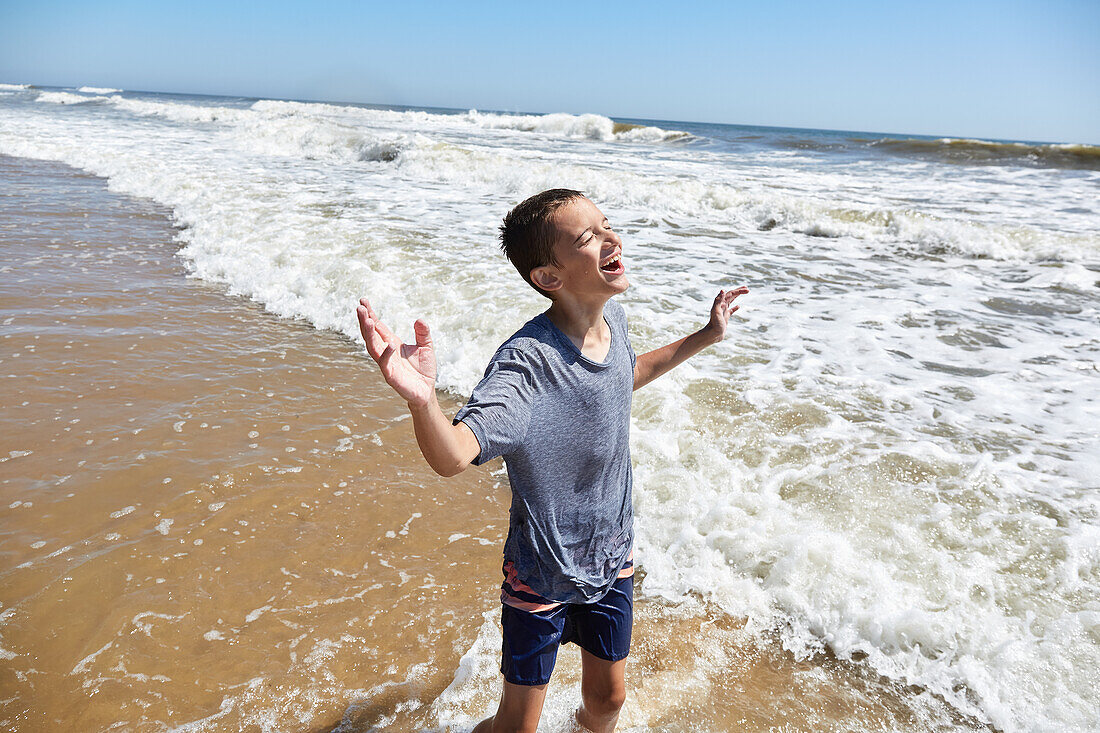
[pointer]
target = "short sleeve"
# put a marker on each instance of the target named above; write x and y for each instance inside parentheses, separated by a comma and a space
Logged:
(618, 315)
(499, 410)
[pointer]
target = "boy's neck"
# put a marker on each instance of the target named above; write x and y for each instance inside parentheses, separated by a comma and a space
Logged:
(578, 318)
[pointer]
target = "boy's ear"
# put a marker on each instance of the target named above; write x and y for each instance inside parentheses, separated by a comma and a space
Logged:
(546, 277)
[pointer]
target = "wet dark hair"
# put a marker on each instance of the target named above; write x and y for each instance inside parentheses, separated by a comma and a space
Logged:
(528, 232)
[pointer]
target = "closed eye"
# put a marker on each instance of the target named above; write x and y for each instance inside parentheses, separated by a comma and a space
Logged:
(592, 238)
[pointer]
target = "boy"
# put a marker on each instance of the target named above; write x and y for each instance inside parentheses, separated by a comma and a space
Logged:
(555, 402)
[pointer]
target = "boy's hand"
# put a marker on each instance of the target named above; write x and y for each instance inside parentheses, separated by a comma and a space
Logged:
(720, 313)
(409, 369)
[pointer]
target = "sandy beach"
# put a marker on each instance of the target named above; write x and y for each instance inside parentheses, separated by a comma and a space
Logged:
(218, 519)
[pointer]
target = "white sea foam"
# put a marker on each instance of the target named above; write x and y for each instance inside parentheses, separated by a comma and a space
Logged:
(589, 126)
(178, 112)
(893, 456)
(585, 126)
(99, 90)
(301, 138)
(14, 87)
(67, 98)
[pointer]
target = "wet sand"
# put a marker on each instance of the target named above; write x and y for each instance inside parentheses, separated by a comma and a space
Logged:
(219, 519)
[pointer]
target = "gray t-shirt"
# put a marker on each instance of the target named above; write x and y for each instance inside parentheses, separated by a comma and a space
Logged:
(562, 423)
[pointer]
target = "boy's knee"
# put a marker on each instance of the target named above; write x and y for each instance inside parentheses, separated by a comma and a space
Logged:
(605, 700)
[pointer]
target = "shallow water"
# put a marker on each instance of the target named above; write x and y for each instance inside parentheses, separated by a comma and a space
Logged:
(217, 519)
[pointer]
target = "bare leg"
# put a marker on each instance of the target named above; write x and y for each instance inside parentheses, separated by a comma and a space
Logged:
(603, 692)
(519, 710)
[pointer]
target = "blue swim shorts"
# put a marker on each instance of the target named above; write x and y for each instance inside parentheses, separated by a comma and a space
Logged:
(532, 638)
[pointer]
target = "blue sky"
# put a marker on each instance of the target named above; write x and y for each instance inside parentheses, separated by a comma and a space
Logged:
(1011, 70)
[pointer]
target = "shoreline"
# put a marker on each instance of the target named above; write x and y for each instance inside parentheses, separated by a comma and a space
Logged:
(253, 538)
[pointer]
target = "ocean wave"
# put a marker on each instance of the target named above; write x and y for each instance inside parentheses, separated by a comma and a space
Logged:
(1071, 156)
(179, 112)
(904, 229)
(649, 134)
(15, 87)
(356, 134)
(99, 90)
(558, 124)
(67, 98)
(587, 126)
(309, 131)
(314, 139)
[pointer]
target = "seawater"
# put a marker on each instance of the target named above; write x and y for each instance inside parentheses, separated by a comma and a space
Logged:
(893, 457)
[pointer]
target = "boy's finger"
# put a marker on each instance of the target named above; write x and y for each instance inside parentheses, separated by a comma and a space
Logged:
(385, 358)
(367, 327)
(423, 334)
(370, 337)
(361, 315)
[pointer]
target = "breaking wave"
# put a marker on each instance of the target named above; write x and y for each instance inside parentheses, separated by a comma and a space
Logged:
(416, 141)
(99, 90)
(67, 98)
(315, 139)
(179, 112)
(1072, 156)
(586, 126)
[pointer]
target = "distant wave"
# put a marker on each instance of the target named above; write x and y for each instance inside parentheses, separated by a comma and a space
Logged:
(320, 139)
(15, 87)
(555, 124)
(98, 90)
(67, 98)
(178, 112)
(955, 150)
(589, 126)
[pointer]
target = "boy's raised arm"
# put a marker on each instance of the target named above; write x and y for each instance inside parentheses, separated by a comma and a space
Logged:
(411, 370)
(653, 364)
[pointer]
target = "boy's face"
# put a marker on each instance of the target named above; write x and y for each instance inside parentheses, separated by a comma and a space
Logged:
(589, 254)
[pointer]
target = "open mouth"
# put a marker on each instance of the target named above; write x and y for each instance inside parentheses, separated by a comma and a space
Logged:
(614, 266)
